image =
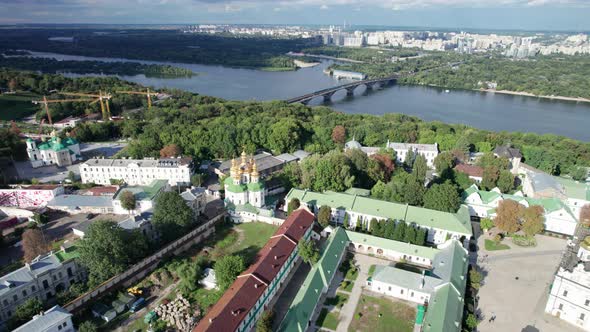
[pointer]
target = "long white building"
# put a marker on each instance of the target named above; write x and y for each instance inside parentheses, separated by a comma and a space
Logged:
(139, 172)
(428, 151)
(569, 298)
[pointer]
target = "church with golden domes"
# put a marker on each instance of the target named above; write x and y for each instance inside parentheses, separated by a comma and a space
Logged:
(244, 187)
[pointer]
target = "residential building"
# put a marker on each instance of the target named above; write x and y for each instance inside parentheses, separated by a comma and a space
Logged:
(513, 155)
(359, 210)
(74, 204)
(42, 278)
(441, 286)
(196, 199)
(141, 223)
(145, 196)
(569, 296)
(428, 151)
(33, 196)
(473, 171)
(368, 150)
(559, 218)
(54, 151)
(249, 296)
(56, 319)
(137, 172)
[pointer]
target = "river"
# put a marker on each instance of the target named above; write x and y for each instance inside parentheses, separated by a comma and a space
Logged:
(484, 110)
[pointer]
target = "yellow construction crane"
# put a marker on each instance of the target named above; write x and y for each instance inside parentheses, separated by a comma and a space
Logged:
(45, 102)
(148, 94)
(101, 97)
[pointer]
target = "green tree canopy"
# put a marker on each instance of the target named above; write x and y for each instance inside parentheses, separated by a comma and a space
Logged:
(533, 220)
(442, 197)
(227, 269)
(171, 216)
(293, 205)
(128, 201)
(324, 215)
(308, 251)
(25, 312)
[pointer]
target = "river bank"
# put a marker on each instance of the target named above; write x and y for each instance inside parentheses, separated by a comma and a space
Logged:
(528, 94)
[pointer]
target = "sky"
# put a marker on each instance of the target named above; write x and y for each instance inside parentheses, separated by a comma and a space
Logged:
(571, 15)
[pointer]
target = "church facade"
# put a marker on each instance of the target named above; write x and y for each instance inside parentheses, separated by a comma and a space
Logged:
(244, 189)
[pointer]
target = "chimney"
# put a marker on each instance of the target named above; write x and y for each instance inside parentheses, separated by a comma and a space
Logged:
(423, 279)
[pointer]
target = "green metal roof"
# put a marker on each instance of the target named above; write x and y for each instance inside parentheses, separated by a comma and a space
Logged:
(402, 247)
(358, 191)
(259, 186)
(456, 222)
(234, 188)
(142, 193)
(317, 279)
(445, 310)
(575, 189)
(56, 144)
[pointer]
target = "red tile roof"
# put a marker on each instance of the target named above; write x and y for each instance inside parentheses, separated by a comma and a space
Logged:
(470, 170)
(102, 191)
(229, 312)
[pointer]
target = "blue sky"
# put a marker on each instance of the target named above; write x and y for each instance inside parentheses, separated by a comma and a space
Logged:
(481, 14)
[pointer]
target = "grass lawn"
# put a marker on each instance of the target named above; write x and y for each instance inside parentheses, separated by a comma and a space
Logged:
(17, 106)
(327, 319)
(244, 239)
(346, 285)
(395, 316)
(491, 245)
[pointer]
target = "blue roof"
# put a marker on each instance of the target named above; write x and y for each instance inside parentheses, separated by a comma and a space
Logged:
(73, 201)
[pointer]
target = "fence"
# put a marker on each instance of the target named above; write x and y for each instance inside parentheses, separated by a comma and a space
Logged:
(146, 265)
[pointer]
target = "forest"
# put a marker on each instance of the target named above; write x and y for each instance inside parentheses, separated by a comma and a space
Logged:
(159, 45)
(53, 66)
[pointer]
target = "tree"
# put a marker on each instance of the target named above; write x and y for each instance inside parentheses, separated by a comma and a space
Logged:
(324, 215)
(475, 278)
(505, 181)
(293, 205)
(388, 229)
(420, 168)
(34, 244)
(508, 216)
(198, 179)
(128, 201)
(12, 85)
(585, 215)
(284, 135)
(421, 237)
(374, 227)
(409, 160)
(189, 273)
(444, 162)
(486, 223)
(25, 312)
(172, 216)
(308, 251)
(491, 174)
(170, 150)
(346, 222)
(442, 197)
(40, 218)
(265, 322)
(533, 221)
(410, 236)
(579, 173)
(87, 326)
(413, 193)
(339, 135)
(107, 249)
(227, 269)
(72, 177)
(471, 321)
(400, 231)
(380, 167)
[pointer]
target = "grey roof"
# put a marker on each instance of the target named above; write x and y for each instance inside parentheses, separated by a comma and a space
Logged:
(352, 144)
(407, 279)
(542, 181)
(26, 274)
(164, 162)
(300, 154)
(507, 152)
(83, 226)
(73, 201)
(43, 322)
(134, 222)
(413, 146)
(192, 193)
(263, 160)
(286, 157)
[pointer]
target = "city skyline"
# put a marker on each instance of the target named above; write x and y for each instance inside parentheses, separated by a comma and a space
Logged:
(566, 15)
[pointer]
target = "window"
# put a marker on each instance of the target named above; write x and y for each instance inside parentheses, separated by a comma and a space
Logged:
(24, 292)
(15, 297)
(389, 288)
(33, 288)
(582, 316)
(561, 306)
(564, 293)
(587, 302)
(59, 327)
(5, 302)
(401, 291)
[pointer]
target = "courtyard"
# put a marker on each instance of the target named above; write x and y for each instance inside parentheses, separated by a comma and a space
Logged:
(516, 286)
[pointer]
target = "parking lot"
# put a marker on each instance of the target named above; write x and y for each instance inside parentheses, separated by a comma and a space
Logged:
(516, 286)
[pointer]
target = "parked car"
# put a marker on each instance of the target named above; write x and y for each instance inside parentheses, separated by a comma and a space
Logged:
(137, 305)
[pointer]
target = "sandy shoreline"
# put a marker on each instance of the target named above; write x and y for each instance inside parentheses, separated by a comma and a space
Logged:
(527, 94)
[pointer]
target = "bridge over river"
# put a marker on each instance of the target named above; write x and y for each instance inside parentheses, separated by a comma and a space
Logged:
(350, 87)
